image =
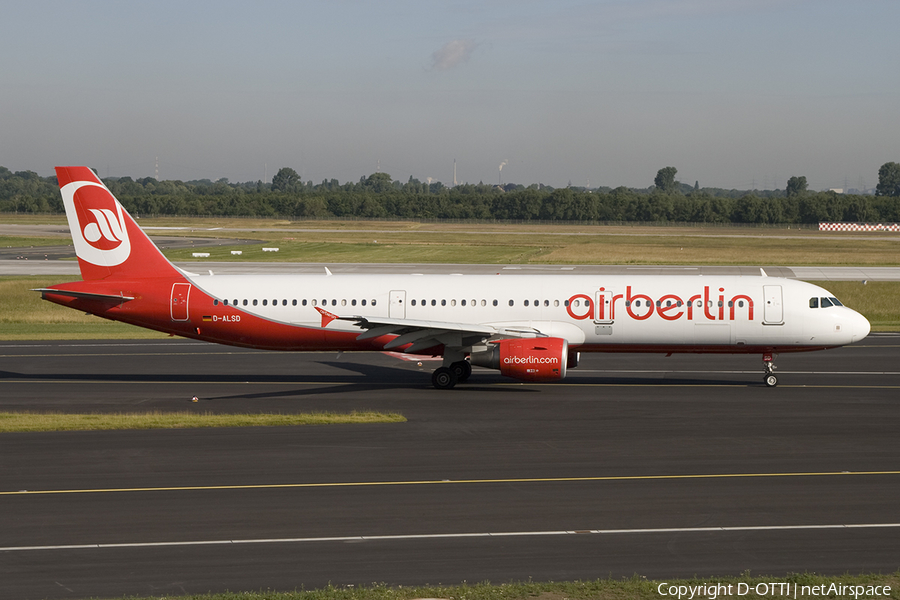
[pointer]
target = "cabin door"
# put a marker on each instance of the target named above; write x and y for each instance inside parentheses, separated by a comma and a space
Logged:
(773, 311)
(179, 301)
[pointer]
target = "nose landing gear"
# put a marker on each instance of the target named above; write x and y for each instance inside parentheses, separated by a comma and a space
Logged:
(769, 363)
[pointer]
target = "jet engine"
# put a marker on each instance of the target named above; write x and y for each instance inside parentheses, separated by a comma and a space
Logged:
(529, 359)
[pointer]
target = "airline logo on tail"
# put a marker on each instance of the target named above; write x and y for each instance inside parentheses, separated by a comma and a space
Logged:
(100, 236)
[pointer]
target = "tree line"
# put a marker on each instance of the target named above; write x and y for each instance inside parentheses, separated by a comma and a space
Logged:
(379, 196)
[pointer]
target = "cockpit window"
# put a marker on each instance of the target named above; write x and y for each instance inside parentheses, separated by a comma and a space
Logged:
(825, 302)
(814, 303)
(835, 301)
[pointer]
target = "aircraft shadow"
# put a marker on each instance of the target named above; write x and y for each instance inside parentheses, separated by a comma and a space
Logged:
(362, 378)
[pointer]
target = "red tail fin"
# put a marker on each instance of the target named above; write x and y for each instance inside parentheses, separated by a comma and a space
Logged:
(107, 240)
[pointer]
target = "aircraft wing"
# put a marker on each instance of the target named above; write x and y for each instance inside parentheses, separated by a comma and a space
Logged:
(427, 334)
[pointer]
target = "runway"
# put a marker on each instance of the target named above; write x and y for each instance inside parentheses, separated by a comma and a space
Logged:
(13, 267)
(641, 464)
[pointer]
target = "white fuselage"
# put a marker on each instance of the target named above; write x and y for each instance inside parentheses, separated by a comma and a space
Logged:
(593, 312)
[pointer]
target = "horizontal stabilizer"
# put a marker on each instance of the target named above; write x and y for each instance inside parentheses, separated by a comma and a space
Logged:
(88, 295)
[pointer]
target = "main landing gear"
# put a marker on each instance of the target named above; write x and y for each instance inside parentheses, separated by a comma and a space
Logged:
(445, 378)
(769, 363)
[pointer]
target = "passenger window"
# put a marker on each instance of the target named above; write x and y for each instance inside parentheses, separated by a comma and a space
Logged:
(304, 302)
(462, 302)
(264, 302)
(511, 303)
(433, 302)
(495, 303)
(556, 303)
(443, 303)
(254, 302)
(475, 303)
(546, 303)
(363, 302)
(413, 302)
(315, 302)
(235, 302)
(537, 302)
(284, 302)
(526, 303)
(373, 302)
(294, 302)
(825, 302)
(453, 303)
(344, 302)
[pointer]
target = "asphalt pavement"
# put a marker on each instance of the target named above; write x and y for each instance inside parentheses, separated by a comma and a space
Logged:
(635, 464)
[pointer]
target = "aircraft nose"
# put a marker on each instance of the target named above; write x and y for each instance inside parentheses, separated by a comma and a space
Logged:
(859, 327)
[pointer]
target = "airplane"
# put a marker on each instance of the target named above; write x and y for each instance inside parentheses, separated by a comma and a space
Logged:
(530, 328)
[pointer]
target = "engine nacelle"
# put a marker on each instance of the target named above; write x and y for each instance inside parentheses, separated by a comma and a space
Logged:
(529, 359)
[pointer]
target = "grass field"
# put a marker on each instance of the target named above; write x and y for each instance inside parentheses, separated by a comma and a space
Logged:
(630, 588)
(33, 421)
(9, 241)
(497, 243)
(516, 247)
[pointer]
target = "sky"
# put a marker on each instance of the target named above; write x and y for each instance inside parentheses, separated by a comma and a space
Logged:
(732, 93)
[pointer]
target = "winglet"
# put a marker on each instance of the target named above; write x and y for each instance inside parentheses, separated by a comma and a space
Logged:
(327, 317)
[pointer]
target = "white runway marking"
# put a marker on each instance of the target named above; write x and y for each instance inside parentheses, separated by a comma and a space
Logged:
(445, 536)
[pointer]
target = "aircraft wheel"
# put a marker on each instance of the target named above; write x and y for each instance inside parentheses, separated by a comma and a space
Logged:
(443, 378)
(462, 370)
(771, 380)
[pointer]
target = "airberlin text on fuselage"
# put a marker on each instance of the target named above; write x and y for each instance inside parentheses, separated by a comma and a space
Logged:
(669, 307)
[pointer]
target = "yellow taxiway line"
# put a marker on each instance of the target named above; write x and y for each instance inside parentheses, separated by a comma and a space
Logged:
(271, 486)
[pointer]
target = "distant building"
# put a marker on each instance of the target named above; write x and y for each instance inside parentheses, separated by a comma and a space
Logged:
(836, 190)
